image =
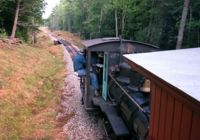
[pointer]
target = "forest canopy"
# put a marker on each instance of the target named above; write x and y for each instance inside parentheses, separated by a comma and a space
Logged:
(151, 21)
(164, 23)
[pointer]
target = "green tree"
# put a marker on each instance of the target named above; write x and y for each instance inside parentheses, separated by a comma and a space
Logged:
(16, 16)
(156, 21)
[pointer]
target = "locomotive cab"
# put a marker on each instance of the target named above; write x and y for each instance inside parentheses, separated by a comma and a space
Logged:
(120, 99)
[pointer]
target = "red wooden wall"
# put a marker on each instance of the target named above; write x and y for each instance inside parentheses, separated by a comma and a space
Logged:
(173, 115)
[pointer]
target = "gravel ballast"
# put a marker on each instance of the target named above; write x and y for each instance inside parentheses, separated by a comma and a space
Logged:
(80, 124)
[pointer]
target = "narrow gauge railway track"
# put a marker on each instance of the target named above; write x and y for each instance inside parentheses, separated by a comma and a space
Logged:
(68, 46)
(93, 121)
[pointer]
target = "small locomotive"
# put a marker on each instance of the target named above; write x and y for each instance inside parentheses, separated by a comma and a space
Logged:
(123, 98)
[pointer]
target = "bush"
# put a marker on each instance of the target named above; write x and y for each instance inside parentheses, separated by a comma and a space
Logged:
(22, 33)
(3, 33)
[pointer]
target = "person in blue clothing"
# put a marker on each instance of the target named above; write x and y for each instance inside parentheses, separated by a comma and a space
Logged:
(79, 62)
(79, 67)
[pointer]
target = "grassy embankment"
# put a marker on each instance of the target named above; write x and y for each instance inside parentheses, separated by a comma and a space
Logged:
(30, 83)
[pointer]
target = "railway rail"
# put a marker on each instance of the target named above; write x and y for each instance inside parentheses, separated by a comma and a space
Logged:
(68, 46)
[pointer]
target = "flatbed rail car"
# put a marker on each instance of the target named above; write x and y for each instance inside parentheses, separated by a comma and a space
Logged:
(175, 92)
(125, 106)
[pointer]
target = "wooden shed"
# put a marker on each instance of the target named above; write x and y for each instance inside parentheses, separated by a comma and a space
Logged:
(175, 92)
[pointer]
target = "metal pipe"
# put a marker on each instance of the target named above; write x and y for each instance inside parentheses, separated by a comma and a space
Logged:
(125, 92)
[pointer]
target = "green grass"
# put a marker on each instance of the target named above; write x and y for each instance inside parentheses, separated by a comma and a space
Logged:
(11, 118)
(42, 84)
(48, 82)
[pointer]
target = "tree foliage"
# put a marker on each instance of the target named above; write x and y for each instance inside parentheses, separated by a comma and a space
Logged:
(151, 21)
(29, 10)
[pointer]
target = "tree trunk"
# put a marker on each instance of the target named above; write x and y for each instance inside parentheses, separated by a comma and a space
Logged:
(123, 22)
(100, 21)
(16, 19)
(69, 25)
(116, 24)
(198, 36)
(182, 24)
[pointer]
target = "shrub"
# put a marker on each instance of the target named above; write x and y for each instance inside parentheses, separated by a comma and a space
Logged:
(3, 33)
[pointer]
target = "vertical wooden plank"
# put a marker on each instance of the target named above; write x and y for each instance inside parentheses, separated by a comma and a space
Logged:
(156, 113)
(169, 117)
(177, 120)
(195, 132)
(152, 109)
(163, 115)
(185, 123)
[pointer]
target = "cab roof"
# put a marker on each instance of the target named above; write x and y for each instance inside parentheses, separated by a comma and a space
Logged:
(99, 41)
